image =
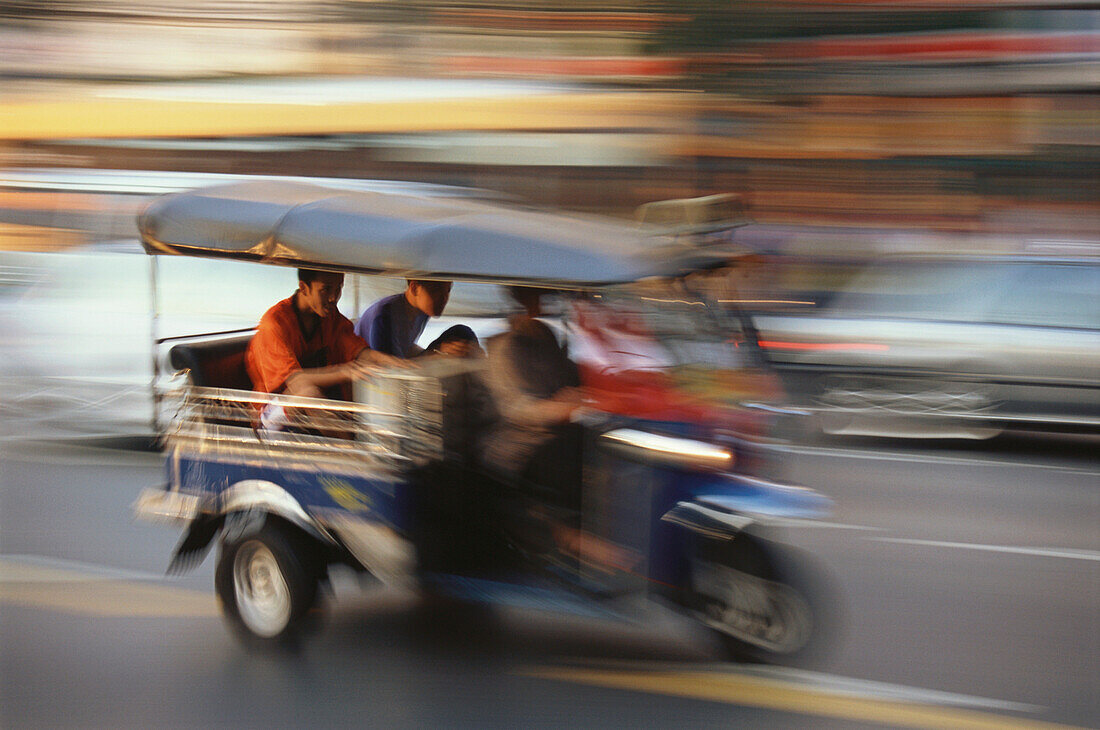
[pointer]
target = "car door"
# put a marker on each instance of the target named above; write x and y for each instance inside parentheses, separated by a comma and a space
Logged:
(1044, 331)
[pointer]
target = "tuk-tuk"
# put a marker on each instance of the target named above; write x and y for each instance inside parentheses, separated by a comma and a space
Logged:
(394, 484)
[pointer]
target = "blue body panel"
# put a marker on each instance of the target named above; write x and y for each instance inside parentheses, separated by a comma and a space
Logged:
(316, 491)
(756, 497)
(631, 498)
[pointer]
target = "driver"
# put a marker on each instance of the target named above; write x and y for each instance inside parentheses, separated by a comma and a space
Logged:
(537, 444)
(303, 346)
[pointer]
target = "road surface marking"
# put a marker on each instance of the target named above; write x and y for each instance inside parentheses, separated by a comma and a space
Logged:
(920, 459)
(57, 585)
(882, 690)
(782, 696)
(1072, 553)
(829, 683)
(811, 523)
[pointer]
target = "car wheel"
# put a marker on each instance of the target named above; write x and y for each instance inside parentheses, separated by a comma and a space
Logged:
(267, 583)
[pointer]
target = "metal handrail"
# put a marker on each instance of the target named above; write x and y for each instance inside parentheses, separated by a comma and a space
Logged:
(401, 426)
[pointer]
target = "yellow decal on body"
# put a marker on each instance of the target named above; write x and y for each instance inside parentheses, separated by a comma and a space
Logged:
(346, 495)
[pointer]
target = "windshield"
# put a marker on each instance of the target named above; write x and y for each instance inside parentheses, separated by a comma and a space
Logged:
(655, 326)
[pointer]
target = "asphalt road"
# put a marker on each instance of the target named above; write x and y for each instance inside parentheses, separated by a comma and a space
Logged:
(967, 581)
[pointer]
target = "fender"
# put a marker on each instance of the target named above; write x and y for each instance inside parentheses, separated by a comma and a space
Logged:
(722, 508)
(707, 521)
(250, 501)
(261, 496)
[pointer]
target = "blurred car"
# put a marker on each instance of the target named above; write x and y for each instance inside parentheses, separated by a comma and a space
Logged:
(77, 333)
(961, 347)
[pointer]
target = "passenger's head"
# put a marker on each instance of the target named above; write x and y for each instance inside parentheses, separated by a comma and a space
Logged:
(430, 297)
(528, 297)
(319, 291)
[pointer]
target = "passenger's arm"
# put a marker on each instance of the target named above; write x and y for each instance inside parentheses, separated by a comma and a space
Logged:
(515, 401)
(455, 348)
(368, 358)
(310, 382)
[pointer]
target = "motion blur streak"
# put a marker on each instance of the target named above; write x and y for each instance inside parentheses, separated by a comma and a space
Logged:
(99, 117)
(912, 217)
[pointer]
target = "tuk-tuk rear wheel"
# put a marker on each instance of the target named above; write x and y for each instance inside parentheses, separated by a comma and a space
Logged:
(267, 583)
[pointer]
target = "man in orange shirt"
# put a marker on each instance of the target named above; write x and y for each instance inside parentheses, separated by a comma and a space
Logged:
(303, 346)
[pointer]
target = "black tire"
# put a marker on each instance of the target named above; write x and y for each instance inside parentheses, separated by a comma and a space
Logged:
(757, 607)
(267, 583)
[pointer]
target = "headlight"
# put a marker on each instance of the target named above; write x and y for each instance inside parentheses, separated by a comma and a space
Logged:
(669, 450)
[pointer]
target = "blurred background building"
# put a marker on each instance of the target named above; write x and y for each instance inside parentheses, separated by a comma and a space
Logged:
(843, 120)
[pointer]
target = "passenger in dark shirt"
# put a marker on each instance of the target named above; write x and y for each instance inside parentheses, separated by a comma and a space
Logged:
(393, 324)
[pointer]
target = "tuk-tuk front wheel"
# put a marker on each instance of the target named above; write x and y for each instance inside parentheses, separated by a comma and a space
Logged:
(267, 583)
(759, 613)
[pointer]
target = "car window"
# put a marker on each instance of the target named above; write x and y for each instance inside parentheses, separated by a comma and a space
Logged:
(1051, 295)
(942, 290)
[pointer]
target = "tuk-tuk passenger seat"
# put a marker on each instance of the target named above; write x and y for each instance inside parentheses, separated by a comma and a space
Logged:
(215, 363)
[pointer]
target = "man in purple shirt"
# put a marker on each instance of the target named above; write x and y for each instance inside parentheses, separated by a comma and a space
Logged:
(394, 323)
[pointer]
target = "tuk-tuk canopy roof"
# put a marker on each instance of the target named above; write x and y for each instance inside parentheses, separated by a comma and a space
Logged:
(420, 233)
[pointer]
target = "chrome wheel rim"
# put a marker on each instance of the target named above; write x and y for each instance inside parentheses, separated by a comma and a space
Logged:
(263, 598)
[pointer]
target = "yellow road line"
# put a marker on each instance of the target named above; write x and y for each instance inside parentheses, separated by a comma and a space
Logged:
(786, 697)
